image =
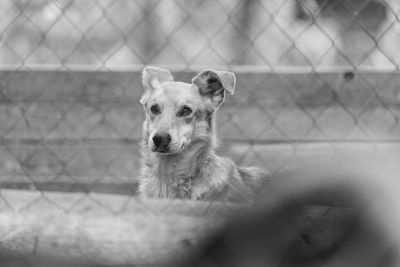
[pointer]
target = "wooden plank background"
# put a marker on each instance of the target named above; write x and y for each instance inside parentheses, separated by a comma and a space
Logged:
(80, 130)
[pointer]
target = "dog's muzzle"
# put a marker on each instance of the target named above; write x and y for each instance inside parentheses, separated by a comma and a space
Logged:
(161, 141)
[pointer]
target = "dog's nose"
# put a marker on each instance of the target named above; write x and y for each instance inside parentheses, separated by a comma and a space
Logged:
(161, 141)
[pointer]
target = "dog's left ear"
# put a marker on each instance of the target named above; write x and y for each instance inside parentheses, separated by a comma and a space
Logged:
(213, 84)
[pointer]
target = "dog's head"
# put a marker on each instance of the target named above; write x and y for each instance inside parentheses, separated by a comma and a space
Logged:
(177, 113)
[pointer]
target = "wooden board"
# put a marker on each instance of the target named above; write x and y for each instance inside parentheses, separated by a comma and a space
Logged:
(79, 130)
(298, 106)
(302, 86)
(114, 168)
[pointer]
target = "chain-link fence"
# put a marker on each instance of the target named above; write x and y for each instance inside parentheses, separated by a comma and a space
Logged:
(115, 34)
(313, 77)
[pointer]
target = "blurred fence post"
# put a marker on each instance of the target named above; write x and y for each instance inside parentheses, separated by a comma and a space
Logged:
(240, 37)
(150, 36)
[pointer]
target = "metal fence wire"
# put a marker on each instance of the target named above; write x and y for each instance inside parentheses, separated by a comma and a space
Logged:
(70, 118)
(113, 34)
(313, 77)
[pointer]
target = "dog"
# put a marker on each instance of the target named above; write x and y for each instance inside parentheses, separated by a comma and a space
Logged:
(179, 140)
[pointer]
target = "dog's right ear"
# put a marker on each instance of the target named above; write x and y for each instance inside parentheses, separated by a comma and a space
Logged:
(152, 77)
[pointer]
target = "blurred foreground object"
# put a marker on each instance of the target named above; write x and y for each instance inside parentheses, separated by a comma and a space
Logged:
(360, 226)
(323, 214)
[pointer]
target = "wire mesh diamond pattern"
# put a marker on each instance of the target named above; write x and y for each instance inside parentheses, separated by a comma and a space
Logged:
(315, 74)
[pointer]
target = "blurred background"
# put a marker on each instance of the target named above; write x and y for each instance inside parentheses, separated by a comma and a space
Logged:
(117, 34)
(314, 77)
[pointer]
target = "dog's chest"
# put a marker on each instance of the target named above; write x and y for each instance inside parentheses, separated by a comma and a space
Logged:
(169, 180)
(201, 180)
(182, 188)
(163, 187)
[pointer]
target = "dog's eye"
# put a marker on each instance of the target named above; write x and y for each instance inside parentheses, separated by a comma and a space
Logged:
(185, 111)
(155, 109)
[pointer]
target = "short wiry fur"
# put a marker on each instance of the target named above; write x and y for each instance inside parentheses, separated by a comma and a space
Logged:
(190, 169)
